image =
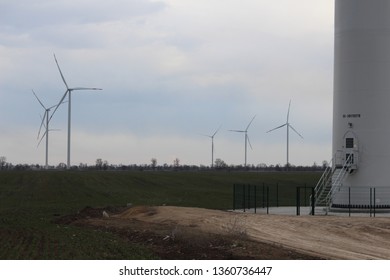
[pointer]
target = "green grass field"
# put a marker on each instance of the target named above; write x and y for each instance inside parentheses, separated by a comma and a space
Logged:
(31, 200)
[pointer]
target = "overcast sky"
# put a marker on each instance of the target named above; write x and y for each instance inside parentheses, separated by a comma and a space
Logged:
(171, 70)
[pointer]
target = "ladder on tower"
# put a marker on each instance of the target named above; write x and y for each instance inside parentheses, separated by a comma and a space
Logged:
(330, 182)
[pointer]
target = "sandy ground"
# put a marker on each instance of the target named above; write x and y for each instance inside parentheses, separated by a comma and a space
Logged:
(323, 236)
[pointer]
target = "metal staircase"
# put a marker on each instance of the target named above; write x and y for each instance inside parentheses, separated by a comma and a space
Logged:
(330, 182)
(323, 186)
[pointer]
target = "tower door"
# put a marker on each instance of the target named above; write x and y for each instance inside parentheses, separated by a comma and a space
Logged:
(351, 151)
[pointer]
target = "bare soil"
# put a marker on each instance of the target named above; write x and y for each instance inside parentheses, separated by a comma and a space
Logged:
(195, 233)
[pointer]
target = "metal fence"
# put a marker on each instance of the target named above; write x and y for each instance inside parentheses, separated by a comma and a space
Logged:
(362, 199)
(357, 200)
(251, 196)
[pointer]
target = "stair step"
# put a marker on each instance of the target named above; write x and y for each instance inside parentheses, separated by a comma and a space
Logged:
(330, 179)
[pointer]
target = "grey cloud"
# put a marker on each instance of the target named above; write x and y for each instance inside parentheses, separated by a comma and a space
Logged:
(25, 15)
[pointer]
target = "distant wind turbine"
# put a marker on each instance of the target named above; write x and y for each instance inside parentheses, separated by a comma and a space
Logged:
(69, 93)
(246, 137)
(288, 126)
(46, 119)
(212, 145)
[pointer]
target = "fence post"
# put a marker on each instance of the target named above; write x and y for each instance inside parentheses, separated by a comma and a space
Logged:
(374, 202)
(244, 196)
(370, 202)
(298, 201)
(305, 196)
(267, 199)
(249, 196)
(234, 197)
(255, 199)
(313, 201)
(349, 201)
(263, 195)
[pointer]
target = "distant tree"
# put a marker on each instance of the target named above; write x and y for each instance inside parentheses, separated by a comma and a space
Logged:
(99, 163)
(3, 162)
(262, 166)
(105, 165)
(61, 166)
(219, 163)
(154, 163)
(176, 163)
(325, 164)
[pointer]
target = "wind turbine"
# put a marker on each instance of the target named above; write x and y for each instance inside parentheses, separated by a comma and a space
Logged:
(46, 119)
(246, 137)
(212, 145)
(288, 126)
(69, 93)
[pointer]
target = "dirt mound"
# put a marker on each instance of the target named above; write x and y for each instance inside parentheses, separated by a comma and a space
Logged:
(137, 210)
(169, 239)
(89, 212)
(183, 232)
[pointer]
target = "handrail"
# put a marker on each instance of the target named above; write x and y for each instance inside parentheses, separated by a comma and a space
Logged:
(338, 181)
(321, 185)
(326, 171)
(326, 180)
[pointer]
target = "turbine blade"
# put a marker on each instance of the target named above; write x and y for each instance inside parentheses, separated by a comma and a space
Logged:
(48, 109)
(38, 99)
(288, 112)
(250, 123)
(84, 88)
(42, 124)
(58, 105)
(59, 69)
(63, 102)
(295, 130)
(205, 135)
(217, 130)
(249, 142)
(41, 139)
(237, 130)
(277, 127)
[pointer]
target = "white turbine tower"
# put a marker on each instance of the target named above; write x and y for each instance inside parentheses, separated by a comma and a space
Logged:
(212, 145)
(288, 126)
(46, 119)
(246, 137)
(69, 93)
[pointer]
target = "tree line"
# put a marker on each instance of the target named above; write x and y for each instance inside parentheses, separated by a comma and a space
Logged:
(219, 165)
